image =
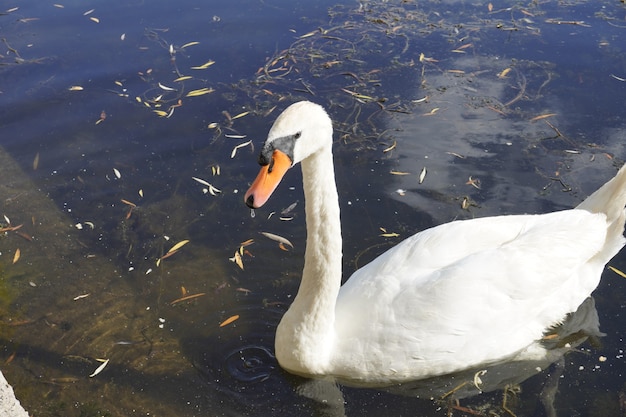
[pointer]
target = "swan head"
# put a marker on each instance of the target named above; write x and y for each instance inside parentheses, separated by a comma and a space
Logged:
(301, 130)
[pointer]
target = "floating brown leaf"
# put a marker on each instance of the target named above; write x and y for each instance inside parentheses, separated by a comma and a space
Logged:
(187, 298)
(229, 320)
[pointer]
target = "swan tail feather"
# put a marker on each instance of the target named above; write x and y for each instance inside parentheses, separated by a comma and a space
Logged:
(610, 200)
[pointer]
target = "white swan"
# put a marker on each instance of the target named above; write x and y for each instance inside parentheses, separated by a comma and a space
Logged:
(452, 297)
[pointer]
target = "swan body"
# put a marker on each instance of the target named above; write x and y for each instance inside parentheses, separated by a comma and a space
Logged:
(456, 296)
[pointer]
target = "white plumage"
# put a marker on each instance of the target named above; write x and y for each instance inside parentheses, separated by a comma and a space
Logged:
(456, 296)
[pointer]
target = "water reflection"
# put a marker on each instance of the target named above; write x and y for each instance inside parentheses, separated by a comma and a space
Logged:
(168, 358)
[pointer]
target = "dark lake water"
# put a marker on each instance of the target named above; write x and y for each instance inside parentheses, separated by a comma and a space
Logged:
(109, 110)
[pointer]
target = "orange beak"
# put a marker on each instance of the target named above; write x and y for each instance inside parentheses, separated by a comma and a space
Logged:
(268, 179)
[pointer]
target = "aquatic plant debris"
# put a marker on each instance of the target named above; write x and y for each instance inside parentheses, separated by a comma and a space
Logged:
(100, 368)
(211, 189)
(236, 148)
(385, 233)
(204, 66)
(617, 271)
(237, 259)
(277, 238)
(422, 175)
(187, 298)
(200, 92)
(178, 245)
(81, 296)
(173, 250)
(229, 320)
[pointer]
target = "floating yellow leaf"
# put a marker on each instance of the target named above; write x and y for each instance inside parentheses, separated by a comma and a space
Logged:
(245, 113)
(16, 257)
(94, 19)
(392, 147)
(189, 44)
(504, 72)
(200, 92)
(166, 88)
(178, 245)
(204, 66)
(308, 35)
(183, 78)
(161, 113)
(617, 271)
(399, 173)
(229, 320)
(172, 251)
(76, 88)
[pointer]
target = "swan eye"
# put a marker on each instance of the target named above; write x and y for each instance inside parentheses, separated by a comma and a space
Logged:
(297, 135)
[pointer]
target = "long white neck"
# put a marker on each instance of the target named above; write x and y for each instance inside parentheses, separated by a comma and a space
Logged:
(305, 335)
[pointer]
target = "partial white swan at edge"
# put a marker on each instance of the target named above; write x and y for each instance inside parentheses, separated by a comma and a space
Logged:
(449, 298)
